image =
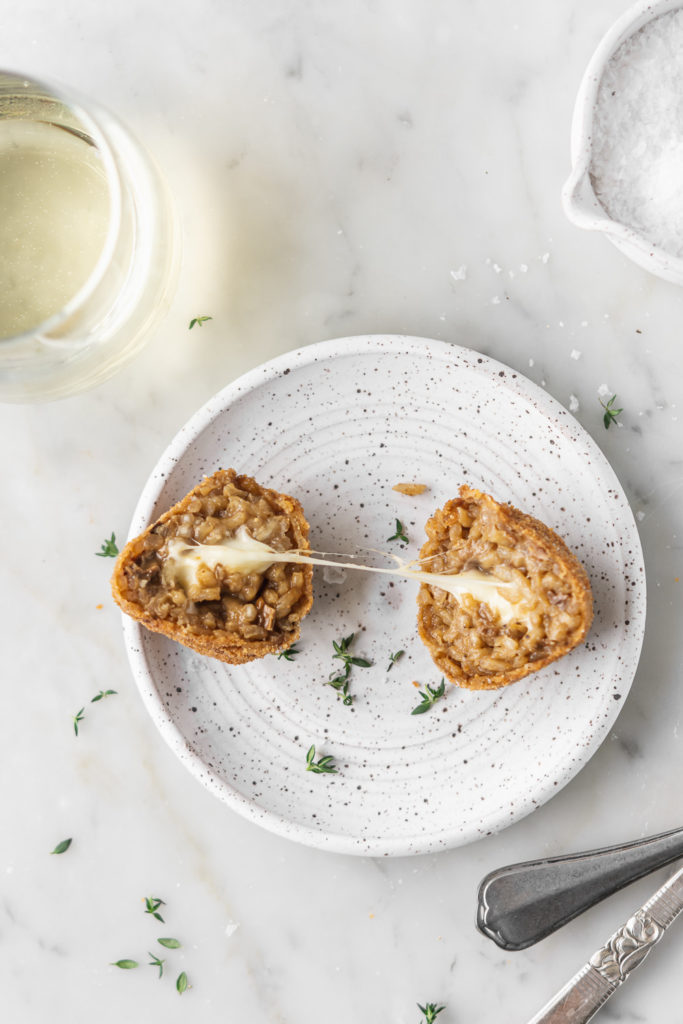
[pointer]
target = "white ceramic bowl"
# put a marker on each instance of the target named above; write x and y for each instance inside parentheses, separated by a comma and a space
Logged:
(581, 205)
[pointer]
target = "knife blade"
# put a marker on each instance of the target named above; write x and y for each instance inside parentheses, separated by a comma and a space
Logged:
(611, 965)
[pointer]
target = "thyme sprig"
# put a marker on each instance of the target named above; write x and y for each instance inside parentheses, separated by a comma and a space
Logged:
(341, 651)
(400, 533)
(152, 904)
(429, 697)
(393, 658)
(102, 694)
(290, 654)
(430, 1011)
(342, 686)
(109, 548)
(156, 962)
(610, 415)
(323, 766)
(343, 654)
(78, 717)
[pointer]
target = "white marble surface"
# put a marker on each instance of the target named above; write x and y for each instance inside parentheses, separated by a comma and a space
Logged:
(334, 166)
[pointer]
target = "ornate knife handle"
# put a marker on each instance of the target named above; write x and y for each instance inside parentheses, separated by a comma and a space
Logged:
(523, 903)
(611, 965)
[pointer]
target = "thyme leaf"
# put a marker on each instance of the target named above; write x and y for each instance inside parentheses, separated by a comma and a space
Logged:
(78, 717)
(610, 415)
(400, 533)
(323, 766)
(341, 684)
(393, 658)
(430, 1011)
(429, 697)
(199, 321)
(181, 983)
(125, 965)
(109, 548)
(152, 904)
(289, 654)
(156, 962)
(62, 847)
(102, 694)
(342, 652)
(169, 943)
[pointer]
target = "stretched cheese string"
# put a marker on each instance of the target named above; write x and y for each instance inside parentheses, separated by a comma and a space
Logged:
(242, 553)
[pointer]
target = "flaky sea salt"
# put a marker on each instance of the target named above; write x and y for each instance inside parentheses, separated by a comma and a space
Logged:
(573, 403)
(637, 159)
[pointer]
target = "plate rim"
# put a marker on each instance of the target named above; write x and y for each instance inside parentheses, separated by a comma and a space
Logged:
(134, 633)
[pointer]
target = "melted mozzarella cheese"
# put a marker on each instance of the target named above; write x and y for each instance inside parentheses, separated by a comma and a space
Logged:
(243, 554)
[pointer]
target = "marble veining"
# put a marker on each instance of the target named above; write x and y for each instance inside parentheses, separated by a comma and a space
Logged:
(339, 170)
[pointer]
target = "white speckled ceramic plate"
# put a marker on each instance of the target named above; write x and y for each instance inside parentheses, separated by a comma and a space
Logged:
(336, 425)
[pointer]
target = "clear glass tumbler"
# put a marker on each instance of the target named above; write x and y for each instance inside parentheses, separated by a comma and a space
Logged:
(88, 243)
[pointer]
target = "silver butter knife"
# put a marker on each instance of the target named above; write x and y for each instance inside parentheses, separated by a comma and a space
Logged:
(611, 965)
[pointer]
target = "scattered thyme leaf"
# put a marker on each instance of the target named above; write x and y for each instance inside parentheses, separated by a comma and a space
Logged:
(169, 943)
(340, 682)
(78, 718)
(611, 413)
(125, 965)
(289, 654)
(400, 533)
(181, 983)
(152, 904)
(341, 685)
(429, 697)
(341, 651)
(199, 321)
(430, 1011)
(109, 548)
(62, 847)
(323, 766)
(102, 694)
(156, 962)
(393, 658)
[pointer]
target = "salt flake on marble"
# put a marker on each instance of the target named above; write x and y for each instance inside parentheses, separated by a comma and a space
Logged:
(545, 257)
(231, 927)
(575, 354)
(497, 268)
(573, 403)
(460, 274)
(523, 268)
(531, 362)
(495, 301)
(640, 515)
(604, 391)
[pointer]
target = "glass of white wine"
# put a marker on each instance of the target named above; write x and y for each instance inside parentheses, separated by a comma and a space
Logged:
(88, 243)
